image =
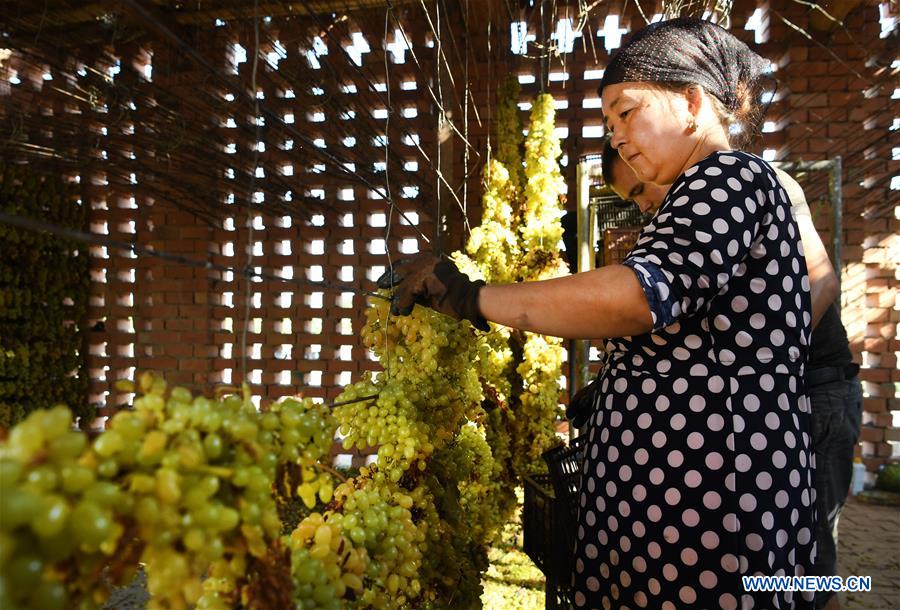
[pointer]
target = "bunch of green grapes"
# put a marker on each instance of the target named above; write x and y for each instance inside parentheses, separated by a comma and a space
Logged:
(427, 390)
(375, 514)
(199, 473)
(53, 508)
(305, 433)
(327, 569)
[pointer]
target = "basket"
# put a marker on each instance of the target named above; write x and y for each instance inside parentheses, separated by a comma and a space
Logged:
(549, 517)
(547, 538)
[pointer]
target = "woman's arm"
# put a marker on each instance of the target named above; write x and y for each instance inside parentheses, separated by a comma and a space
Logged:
(824, 286)
(603, 303)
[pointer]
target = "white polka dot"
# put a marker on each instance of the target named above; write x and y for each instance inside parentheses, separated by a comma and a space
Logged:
(714, 460)
(690, 517)
(693, 478)
(754, 542)
(719, 195)
(698, 184)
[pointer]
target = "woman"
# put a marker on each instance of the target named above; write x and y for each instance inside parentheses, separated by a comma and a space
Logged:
(835, 398)
(698, 465)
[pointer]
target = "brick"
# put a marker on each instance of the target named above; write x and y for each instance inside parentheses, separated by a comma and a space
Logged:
(871, 434)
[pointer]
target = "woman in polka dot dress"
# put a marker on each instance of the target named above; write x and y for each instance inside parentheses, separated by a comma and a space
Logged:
(698, 468)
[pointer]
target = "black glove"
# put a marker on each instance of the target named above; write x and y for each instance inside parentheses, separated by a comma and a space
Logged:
(436, 283)
(582, 404)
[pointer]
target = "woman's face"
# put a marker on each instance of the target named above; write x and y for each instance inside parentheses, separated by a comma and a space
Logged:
(649, 129)
(647, 196)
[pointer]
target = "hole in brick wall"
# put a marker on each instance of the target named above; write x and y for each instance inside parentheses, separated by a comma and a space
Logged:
(346, 246)
(314, 378)
(256, 300)
(592, 131)
(318, 220)
(228, 224)
(409, 85)
(346, 194)
(284, 378)
(381, 87)
(312, 352)
(524, 105)
(378, 219)
(98, 349)
(126, 325)
(314, 326)
(379, 113)
(99, 252)
(228, 300)
(127, 203)
(283, 351)
(283, 248)
(348, 88)
(411, 166)
(345, 326)
(379, 141)
(409, 245)
(526, 79)
(758, 23)
(346, 273)
(97, 300)
(411, 139)
(519, 37)
(256, 351)
(375, 272)
(410, 192)
(256, 325)
(345, 352)
(346, 220)
(288, 144)
(287, 272)
(320, 143)
(125, 300)
(257, 248)
(255, 376)
(284, 327)
(285, 299)
(370, 354)
(231, 148)
(258, 223)
(315, 273)
(561, 132)
(126, 351)
(228, 325)
(98, 275)
(287, 170)
(315, 300)
(226, 350)
(377, 246)
(410, 112)
(343, 378)
(345, 300)
(98, 204)
(318, 168)
(100, 228)
(228, 248)
(410, 218)
(379, 166)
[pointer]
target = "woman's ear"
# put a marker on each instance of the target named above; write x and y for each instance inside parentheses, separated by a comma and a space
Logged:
(694, 96)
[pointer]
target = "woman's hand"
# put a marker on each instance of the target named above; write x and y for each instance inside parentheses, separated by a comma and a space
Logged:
(436, 283)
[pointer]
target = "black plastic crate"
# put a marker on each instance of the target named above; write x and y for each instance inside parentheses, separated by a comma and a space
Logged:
(549, 518)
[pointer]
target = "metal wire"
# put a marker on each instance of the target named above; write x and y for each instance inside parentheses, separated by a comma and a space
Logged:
(31, 224)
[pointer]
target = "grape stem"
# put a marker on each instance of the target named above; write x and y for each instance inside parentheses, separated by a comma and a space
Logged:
(332, 471)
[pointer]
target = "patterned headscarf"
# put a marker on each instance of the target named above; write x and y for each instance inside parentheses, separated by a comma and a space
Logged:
(688, 50)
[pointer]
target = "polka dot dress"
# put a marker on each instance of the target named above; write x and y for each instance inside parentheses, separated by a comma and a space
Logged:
(698, 468)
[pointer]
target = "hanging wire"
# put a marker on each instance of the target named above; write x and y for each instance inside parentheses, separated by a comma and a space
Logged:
(387, 186)
(248, 285)
(31, 224)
